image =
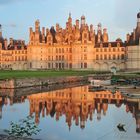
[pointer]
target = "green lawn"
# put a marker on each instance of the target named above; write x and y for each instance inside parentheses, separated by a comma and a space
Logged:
(5, 74)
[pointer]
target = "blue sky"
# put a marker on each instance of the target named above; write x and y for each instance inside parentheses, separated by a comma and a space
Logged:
(118, 16)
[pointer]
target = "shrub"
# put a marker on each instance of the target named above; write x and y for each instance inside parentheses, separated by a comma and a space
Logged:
(24, 128)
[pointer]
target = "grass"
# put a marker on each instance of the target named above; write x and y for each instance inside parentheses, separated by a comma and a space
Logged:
(7, 74)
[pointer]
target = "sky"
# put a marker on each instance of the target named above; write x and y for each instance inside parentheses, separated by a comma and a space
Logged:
(118, 16)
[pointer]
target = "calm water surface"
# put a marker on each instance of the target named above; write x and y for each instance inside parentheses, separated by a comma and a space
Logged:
(74, 114)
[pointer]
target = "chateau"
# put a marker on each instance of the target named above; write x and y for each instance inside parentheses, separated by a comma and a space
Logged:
(76, 46)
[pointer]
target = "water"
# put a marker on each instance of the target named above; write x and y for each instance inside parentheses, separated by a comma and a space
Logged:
(74, 114)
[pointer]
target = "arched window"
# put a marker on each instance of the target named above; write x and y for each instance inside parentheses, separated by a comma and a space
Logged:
(122, 56)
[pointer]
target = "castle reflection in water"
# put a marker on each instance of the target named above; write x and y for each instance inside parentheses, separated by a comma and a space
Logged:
(77, 104)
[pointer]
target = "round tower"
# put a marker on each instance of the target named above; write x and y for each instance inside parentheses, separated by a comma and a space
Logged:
(137, 31)
(138, 17)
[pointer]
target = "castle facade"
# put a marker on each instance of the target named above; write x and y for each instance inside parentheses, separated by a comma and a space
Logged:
(78, 46)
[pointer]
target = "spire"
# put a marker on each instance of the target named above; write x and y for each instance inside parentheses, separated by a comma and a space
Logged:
(70, 19)
(69, 14)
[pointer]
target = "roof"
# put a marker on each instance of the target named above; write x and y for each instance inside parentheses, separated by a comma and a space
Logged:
(106, 44)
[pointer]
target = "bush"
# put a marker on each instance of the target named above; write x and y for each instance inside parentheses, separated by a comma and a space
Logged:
(24, 128)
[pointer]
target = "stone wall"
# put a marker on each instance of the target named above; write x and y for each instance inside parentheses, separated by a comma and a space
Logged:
(26, 82)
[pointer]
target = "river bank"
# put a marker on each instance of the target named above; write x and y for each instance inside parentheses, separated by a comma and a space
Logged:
(34, 82)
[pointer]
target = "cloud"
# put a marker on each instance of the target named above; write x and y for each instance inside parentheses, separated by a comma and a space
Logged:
(11, 25)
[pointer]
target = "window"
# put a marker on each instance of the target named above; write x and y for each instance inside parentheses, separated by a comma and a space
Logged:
(122, 49)
(85, 49)
(85, 41)
(85, 65)
(105, 57)
(49, 65)
(70, 50)
(97, 57)
(62, 65)
(101, 57)
(70, 57)
(56, 65)
(81, 65)
(30, 65)
(114, 57)
(22, 58)
(60, 57)
(118, 56)
(15, 58)
(62, 50)
(56, 50)
(85, 57)
(114, 50)
(59, 50)
(56, 57)
(122, 56)
(70, 65)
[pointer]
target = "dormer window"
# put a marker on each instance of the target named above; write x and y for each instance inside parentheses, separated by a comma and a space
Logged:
(118, 44)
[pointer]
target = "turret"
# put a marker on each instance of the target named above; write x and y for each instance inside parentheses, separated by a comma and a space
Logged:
(99, 28)
(5, 43)
(127, 37)
(43, 34)
(37, 26)
(57, 27)
(11, 41)
(37, 31)
(91, 28)
(31, 30)
(138, 27)
(105, 35)
(83, 22)
(70, 19)
(77, 24)
(138, 20)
